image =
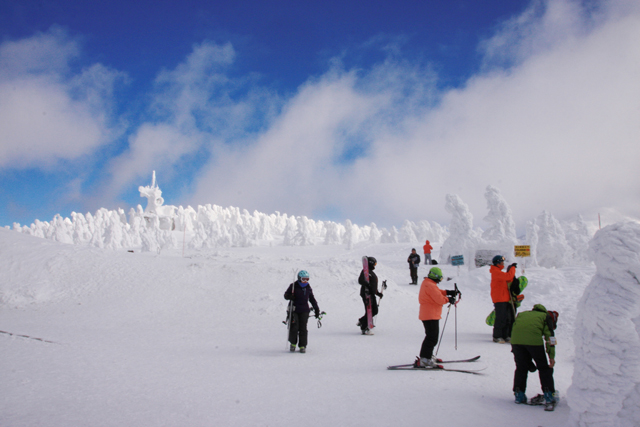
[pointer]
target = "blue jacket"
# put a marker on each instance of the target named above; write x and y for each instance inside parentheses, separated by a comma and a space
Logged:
(301, 297)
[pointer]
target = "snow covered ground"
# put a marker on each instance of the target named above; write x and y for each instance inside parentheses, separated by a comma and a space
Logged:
(198, 340)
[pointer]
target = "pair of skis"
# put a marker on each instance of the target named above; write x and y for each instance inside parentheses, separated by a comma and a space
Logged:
(416, 366)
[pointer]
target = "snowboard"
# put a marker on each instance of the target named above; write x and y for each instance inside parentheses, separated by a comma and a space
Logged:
(365, 269)
(491, 318)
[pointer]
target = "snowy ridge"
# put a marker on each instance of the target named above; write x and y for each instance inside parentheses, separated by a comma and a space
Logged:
(553, 244)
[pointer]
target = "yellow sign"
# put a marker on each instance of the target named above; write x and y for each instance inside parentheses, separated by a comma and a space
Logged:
(522, 251)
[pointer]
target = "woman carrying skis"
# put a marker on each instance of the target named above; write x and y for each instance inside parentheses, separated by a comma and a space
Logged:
(528, 346)
(300, 294)
(431, 300)
(505, 312)
(369, 289)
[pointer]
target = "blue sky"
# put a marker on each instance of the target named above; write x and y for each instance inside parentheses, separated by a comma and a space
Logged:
(371, 111)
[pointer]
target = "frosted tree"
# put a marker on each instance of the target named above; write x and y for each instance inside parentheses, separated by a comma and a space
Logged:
(462, 239)
(605, 390)
(502, 228)
(532, 240)
(552, 249)
(374, 234)
(290, 231)
(407, 235)
(264, 231)
(333, 235)
(351, 234)
(303, 235)
(578, 237)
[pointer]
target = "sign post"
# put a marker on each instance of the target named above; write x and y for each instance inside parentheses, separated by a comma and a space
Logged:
(522, 251)
(457, 260)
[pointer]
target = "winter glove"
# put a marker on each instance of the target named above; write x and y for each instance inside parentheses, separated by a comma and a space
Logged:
(514, 265)
(317, 313)
(380, 295)
(452, 300)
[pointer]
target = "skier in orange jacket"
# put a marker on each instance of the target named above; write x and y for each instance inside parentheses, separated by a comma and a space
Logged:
(431, 300)
(427, 253)
(502, 299)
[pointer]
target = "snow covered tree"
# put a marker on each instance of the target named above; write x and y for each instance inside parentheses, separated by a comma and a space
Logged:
(462, 239)
(605, 390)
(552, 249)
(502, 228)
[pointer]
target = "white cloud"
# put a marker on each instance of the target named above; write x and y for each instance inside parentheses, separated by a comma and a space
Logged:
(558, 130)
(48, 113)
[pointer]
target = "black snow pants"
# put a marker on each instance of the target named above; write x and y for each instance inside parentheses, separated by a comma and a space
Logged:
(504, 320)
(298, 331)
(523, 356)
(364, 322)
(431, 330)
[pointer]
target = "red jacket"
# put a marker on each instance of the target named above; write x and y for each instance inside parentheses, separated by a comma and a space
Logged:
(427, 248)
(431, 300)
(500, 283)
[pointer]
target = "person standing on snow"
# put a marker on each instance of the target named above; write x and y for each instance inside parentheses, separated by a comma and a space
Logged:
(427, 253)
(431, 300)
(414, 262)
(528, 347)
(501, 297)
(300, 293)
(366, 290)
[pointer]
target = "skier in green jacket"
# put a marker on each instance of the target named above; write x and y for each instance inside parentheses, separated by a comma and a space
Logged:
(532, 331)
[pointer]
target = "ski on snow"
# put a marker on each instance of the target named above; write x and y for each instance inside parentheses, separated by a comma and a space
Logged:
(415, 366)
(435, 368)
(473, 359)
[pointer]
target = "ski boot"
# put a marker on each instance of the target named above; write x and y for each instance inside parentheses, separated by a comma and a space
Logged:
(550, 400)
(520, 397)
(303, 350)
(292, 348)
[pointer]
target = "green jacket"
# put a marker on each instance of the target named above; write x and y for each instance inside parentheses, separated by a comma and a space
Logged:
(531, 326)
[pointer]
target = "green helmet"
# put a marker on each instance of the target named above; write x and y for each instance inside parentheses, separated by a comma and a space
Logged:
(435, 274)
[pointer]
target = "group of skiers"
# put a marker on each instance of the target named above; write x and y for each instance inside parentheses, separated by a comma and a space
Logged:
(529, 332)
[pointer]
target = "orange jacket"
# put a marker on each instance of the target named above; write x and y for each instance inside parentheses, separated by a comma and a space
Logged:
(499, 284)
(431, 300)
(427, 248)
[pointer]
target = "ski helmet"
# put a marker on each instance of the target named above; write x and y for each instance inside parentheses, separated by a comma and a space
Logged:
(303, 274)
(435, 274)
(498, 259)
(372, 261)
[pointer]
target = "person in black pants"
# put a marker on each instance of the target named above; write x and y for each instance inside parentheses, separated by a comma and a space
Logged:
(369, 290)
(300, 293)
(532, 339)
(414, 262)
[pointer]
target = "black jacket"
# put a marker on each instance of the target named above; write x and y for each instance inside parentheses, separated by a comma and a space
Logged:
(370, 288)
(302, 295)
(413, 260)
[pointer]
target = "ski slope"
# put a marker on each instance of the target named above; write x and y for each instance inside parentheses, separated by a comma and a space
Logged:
(198, 340)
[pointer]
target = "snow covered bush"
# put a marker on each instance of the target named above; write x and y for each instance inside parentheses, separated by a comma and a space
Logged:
(606, 382)
(462, 239)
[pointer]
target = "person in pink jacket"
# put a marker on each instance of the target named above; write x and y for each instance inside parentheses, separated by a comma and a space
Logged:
(431, 300)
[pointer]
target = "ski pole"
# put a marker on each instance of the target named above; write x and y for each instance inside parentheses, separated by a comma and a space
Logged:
(455, 286)
(444, 326)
